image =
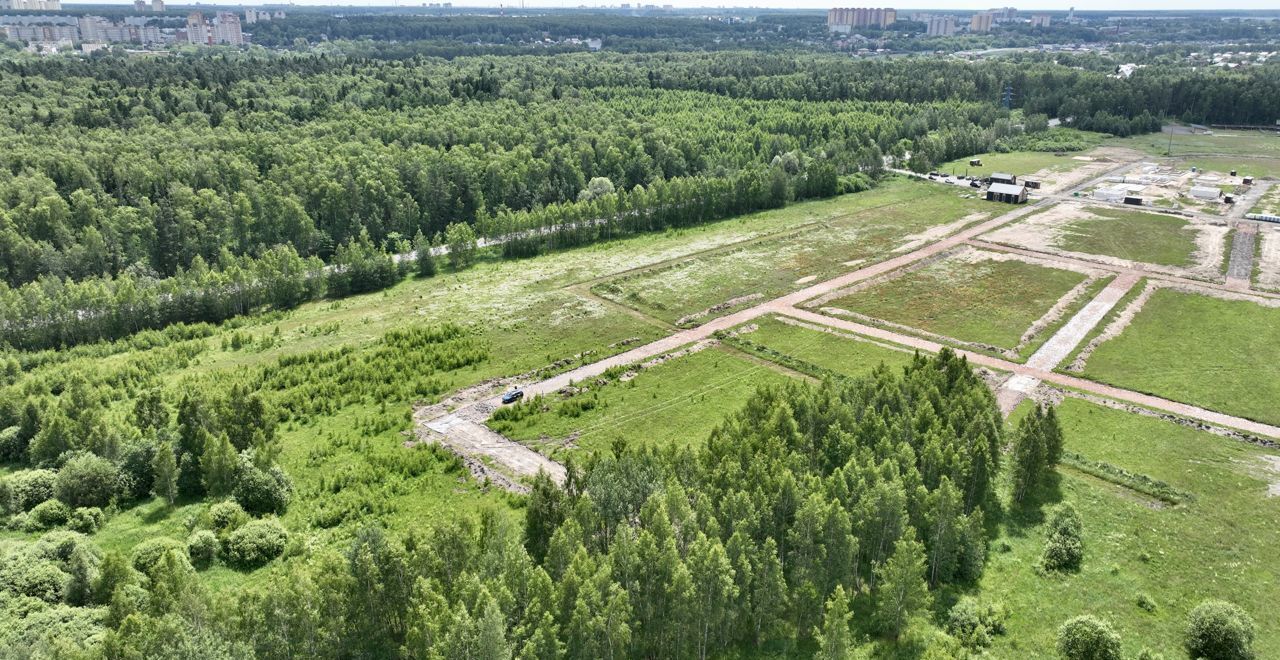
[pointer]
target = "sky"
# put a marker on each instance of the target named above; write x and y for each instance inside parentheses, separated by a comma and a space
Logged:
(952, 5)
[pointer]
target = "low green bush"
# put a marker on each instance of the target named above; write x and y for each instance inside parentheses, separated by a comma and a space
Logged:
(255, 543)
(202, 547)
(49, 514)
(147, 555)
(86, 520)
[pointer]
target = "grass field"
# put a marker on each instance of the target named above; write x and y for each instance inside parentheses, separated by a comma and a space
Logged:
(989, 302)
(1018, 163)
(824, 350)
(1214, 353)
(676, 402)
(1217, 546)
(1145, 237)
(818, 243)
(1248, 144)
(1268, 203)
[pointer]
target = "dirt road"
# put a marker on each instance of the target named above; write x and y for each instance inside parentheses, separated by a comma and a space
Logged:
(1240, 268)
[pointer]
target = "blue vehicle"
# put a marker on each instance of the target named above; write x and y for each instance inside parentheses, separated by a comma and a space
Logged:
(512, 396)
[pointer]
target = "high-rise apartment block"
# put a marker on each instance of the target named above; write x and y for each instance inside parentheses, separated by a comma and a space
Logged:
(845, 19)
(980, 23)
(941, 26)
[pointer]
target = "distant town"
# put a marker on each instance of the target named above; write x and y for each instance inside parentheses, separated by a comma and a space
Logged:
(53, 33)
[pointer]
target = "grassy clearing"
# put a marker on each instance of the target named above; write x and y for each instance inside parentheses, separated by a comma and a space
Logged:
(1018, 163)
(678, 401)
(989, 302)
(818, 242)
(1216, 546)
(1219, 354)
(1227, 143)
(823, 350)
(1134, 235)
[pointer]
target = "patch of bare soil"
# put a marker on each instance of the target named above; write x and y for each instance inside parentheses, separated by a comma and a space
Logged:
(1273, 466)
(715, 309)
(806, 279)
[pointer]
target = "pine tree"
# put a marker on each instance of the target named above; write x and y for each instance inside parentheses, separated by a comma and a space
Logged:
(834, 639)
(769, 592)
(714, 591)
(425, 261)
(165, 469)
(542, 516)
(1028, 462)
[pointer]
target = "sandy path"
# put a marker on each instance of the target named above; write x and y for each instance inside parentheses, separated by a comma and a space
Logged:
(488, 455)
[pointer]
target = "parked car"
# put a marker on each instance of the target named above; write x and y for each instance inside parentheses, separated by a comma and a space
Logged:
(975, 184)
(513, 396)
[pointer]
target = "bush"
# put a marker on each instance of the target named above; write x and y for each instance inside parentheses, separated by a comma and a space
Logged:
(226, 516)
(1088, 638)
(147, 555)
(202, 547)
(974, 624)
(136, 476)
(1064, 550)
(1146, 602)
(38, 578)
(262, 491)
(87, 480)
(255, 543)
(86, 520)
(24, 490)
(1218, 630)
(49, 514)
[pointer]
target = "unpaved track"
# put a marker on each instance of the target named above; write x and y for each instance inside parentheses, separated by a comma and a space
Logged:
(463, 430)
(1240, 268)
(1060, 345)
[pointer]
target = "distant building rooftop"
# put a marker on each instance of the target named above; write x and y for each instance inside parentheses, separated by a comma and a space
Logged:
(1005, 189)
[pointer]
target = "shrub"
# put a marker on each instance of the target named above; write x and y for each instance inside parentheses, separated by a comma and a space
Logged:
(147, 555)
(1146, 602)
(49, 514)
(974, 624)
(255, 543)
(86, 520)
(87, 480)
(38, 578)
(1088, 638)
(226, 516)
(1218, 630)
(24, 490)
(262, 491)
(136, 476)
(1064, 549)
(202, 547)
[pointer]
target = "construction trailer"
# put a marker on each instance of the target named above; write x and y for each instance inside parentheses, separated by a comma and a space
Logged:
(1114, 194)
(1007, 193)
(1001, 177)
(1133, 200)
(1031, 184)
(975, 162)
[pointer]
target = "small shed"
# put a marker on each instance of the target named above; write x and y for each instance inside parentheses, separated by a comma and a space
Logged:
(1133, 200)
(1001, 177)
(1206, 192)
(1031, 184)
(1248, 181)
(975, 162)
(1229, 199)
(1007, 193)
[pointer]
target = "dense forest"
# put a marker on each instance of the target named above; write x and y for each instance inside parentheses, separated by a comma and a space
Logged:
(120, 174)
(811, 502)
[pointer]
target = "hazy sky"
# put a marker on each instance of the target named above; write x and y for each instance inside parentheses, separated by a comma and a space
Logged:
(1060, 5)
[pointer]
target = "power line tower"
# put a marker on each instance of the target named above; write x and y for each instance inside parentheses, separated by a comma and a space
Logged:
(1006, 98)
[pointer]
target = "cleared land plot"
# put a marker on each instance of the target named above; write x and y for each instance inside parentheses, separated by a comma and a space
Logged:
(1217, 546)
(976, 297)
(1055, 173)
(1215, 353)
(814, 350)
(1249, 144)
(1267, 265)
(856, 229)
(1119, 237)
(1269, 203)
(1133, 235)
(678, 401)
